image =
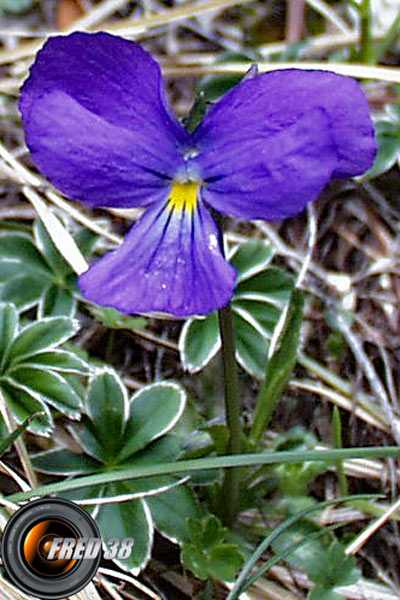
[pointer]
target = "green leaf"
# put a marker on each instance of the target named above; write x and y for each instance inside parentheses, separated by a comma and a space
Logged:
(107, 406)
(154, 410)
(251, 347)
(56, 301)
(127, 520)
(15, 6)
(164, 449)
(150, 487)
(273, 284)
(319, 593)
(8, 329)
(58, 360)
(199, 342)
(64, 462)
(20, 247)
(224, 562)
(251, 258)
(58, 264)
(23, 291)
(195, 560)
(49, 386)
(9, 269)
(333, 568)
(215, 86)
(256, 305)
(279, 367)
(263, 314)
(206, 554)
(213, 532)
(171, 511)
(86, 240)
(24, 404)
(388, 138)
(114, 319)
(220, 436)
(10, 439)
(83, 433)
(42, 335)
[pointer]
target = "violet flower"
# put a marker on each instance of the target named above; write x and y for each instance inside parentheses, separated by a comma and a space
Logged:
(98, 126)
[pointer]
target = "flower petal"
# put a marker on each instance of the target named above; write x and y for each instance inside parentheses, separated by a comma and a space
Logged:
(169, 262)
(97, 122)
(272, 143)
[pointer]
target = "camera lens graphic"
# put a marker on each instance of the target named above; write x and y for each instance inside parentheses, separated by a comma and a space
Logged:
(28, 539)
(38, 543)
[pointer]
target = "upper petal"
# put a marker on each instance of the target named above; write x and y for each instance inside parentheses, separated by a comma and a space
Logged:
(96, 120)
(169, 262)
(243, 131)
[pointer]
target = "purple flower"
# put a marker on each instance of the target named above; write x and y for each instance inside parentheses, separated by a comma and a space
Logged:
(98, 126)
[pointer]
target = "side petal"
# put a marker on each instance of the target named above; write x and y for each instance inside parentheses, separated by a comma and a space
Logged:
(274, 180)
(96, 120)
(169, 262)
(262, 112)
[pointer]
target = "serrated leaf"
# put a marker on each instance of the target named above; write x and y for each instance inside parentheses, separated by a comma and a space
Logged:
(56, 301)
(42, 335)
(17, 246)
(49, 386)
(171, 511)
(107, 406)
(8, 329)
(64, 462)
(213, 532)
(58, 360)
(199, 342)
(333, 568)
(318, 593)
(251, 258)
(195, 560)
(224, 562)
(127, 520)
(154, 410)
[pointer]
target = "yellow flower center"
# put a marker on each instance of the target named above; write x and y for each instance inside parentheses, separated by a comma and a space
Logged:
(183, 196)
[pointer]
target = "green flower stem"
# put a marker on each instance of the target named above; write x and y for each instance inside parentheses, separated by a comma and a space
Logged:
(367, 51)
(337, 442)
(230, 487)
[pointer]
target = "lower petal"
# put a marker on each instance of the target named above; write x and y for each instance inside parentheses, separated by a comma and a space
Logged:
(169, 262)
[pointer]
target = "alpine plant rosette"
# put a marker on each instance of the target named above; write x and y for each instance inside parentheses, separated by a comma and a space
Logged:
(99, 127)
